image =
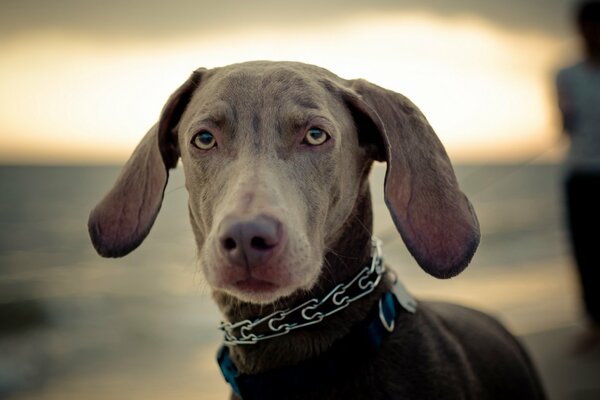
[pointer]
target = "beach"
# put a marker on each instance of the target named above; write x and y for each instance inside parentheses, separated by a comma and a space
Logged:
(77, 326)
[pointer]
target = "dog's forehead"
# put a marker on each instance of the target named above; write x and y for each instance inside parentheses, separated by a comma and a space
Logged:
(261, 83)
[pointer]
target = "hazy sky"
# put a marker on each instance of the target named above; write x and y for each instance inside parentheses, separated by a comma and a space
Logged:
(150, 19)
(82, 80)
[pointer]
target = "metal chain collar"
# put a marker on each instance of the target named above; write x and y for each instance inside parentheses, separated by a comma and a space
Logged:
(310, 312)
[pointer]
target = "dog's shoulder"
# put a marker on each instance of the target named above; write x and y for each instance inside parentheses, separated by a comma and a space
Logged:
(456, 347)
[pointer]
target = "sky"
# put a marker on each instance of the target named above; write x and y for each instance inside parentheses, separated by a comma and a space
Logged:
(82, 81)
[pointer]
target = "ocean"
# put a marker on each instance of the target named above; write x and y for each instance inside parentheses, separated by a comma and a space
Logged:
(76, 326)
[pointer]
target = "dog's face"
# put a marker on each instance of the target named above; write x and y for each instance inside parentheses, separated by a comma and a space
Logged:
(269, 145)
(275, 156)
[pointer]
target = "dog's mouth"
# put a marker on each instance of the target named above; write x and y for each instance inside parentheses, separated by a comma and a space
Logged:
(266, 280)
(254, 285)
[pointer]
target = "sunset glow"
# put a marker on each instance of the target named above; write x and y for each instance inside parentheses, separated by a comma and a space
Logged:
(486, 91)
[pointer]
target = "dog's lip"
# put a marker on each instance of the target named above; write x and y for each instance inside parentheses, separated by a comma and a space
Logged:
(255, 285)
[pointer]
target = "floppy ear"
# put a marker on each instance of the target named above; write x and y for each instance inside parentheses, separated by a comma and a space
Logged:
(435, 219)
(123, 218)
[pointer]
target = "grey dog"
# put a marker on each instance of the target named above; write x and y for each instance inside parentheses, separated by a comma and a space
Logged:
(276, 158)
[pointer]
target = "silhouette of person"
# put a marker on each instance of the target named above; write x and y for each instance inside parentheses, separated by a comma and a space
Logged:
(578, 88)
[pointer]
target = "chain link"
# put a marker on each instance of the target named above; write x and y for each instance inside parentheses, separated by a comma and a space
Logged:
(310, 312)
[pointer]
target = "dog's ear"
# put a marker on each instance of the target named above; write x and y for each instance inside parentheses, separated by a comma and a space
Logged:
(435, 219)
(123, 218)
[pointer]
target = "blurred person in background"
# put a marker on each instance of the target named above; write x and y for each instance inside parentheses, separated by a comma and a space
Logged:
(578, 89)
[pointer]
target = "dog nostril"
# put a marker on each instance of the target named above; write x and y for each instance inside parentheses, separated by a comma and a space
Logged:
(229, 244)
(259, 243)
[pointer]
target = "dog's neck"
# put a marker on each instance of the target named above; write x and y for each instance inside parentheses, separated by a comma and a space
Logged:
(351, 252)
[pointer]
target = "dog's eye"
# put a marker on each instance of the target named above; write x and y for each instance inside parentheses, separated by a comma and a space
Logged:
(204, 140)
(315, 137)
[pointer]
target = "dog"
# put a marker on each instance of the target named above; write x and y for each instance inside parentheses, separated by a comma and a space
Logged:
(276, 157)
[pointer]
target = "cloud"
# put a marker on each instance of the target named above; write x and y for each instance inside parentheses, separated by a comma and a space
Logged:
(155, 19)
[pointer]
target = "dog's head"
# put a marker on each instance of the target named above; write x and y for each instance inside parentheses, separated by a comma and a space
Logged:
(275, 157)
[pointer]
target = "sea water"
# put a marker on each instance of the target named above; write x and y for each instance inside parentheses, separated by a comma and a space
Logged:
(76, 326)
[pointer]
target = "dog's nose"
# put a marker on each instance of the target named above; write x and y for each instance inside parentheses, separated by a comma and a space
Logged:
(250, 242)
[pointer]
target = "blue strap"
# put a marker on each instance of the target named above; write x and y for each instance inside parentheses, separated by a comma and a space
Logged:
(379, 328)
(228, 369)
(332, 365)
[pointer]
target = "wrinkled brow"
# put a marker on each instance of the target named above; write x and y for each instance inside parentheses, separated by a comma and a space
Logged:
(305, 101)
(297, 118)
(219, 114)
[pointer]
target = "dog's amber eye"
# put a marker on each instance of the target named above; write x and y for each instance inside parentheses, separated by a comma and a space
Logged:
(204, 140)
(315, 137)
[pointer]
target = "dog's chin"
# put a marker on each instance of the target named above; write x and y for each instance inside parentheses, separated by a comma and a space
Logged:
(261, 290)
(257, 291)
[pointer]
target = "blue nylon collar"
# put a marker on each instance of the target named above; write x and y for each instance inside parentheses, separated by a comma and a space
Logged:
(332, 365)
